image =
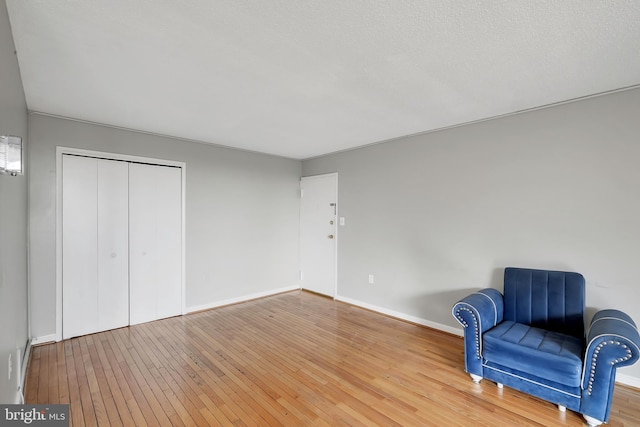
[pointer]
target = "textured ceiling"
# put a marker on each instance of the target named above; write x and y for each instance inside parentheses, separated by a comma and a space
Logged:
(305, 78)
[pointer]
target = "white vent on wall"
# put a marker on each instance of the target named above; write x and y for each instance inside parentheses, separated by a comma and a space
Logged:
(11, 155)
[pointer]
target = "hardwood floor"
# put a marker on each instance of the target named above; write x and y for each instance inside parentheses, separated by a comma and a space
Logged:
(293, 359)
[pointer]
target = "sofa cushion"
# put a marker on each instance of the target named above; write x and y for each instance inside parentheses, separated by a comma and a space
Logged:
(549, 355)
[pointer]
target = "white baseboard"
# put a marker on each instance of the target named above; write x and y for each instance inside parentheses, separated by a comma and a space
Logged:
(54, 338)
(628, 380)
(402, 316)
(243, 298)
(620, 378)
(22, 369)
(44, 339)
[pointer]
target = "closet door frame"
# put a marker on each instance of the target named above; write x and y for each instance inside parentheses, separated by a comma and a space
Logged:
(60, 151)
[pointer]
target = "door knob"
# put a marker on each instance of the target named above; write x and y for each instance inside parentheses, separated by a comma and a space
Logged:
(330, 236)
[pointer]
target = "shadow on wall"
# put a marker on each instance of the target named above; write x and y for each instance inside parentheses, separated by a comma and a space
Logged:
(589, 312)
(436, 306)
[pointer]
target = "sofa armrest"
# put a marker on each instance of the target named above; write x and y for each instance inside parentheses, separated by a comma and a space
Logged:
(612, 342)
(477, 313)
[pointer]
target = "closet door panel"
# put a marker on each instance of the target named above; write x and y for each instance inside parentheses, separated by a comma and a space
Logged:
(155, 238)
(79, 246)
(95, 238)
(169, 302)
(113, 244)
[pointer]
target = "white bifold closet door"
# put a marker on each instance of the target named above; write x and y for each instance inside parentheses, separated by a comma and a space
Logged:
(121, 244)
(155, 239)
(95, 245)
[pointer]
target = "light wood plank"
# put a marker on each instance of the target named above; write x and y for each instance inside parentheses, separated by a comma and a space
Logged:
(294, 359)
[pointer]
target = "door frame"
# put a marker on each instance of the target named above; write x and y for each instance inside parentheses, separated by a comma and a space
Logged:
(60, 151)
(337, 233)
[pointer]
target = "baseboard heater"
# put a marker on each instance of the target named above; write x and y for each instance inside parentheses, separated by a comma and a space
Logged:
(23, 368)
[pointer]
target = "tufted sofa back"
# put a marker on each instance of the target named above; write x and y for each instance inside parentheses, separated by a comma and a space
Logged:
(551, 300)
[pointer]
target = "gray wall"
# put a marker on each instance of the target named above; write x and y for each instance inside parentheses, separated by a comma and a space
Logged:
(241, 213)
(436, 216)
(13, 221)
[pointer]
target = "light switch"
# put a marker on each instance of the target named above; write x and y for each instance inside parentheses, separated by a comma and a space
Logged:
(341, 220)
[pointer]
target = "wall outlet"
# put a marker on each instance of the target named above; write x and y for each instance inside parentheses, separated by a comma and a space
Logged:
(10, 366)
(371, 279)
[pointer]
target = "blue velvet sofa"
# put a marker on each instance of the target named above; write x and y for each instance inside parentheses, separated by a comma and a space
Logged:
(533, 339)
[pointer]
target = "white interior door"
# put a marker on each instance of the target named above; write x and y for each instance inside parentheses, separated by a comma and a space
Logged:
(155, 239)
(318, 233)
(94, 245)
